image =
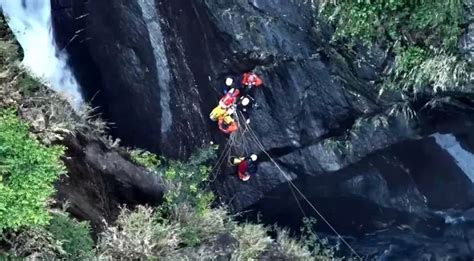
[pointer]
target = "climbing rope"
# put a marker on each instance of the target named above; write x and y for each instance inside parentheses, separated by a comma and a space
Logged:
(222, 158)
(239, 141)
(238, 144)
(296, 199)
(290, 182)
(246, 128)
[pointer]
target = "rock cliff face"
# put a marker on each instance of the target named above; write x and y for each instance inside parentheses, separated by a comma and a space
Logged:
(102, 179)
(156, 69)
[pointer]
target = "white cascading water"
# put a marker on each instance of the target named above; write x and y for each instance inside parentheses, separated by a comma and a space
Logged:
(30, 21)
(152, 18)
(464, 158)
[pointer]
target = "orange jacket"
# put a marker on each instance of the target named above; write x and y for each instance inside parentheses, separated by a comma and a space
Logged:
(227, 125)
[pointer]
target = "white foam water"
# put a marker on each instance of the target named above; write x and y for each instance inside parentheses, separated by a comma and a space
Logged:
(30, 21)
(464, 158)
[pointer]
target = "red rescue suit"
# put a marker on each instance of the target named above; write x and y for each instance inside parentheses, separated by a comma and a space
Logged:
(229, 98)
(251, 79)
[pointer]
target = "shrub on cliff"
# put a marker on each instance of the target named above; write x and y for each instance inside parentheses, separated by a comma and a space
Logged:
(34, 242)
(188, 181)
(433, 23)
(423, 36)
(28, 171)
(63, 238)
(186, 227)
(144, 158)
(139, 235)
(252, 239)
(190, 235)
(75, 236)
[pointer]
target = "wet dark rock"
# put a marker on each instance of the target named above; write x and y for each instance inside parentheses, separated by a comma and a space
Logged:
(405, 177)
(467, 41)
(394, 189)
(100, 179)
(469, 11)
(406, 245)
(159, 66)
(140, 71)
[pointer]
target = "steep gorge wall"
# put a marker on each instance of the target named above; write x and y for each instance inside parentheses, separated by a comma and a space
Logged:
(161, 73)
(156, 69)
(190, 62)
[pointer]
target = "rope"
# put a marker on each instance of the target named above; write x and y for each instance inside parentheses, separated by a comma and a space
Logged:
(220, 161)
(260, 145)
(239, 141)
(233, 140)
(243, 128)
(297, 201)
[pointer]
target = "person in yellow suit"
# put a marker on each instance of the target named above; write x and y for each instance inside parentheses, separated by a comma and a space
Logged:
(218, 112)
(223, 116)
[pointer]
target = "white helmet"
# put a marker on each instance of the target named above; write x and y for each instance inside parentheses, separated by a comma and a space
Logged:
(245, 101)
(229, 81)
(253, 157)
(230, 110)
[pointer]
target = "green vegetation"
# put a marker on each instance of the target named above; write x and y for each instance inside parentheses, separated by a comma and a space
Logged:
(187, 181)
(63, 238)
(145, 234)
(433, 23)
(410, 58)
(33, 242)
(75, 236)
(187, 227)
(27, 173)
(138, 235)
(318, 247)
(184, 220)
(32, 117)
(144, 158)
(253, 240)
(419, 33)
(184, 227)
(28, 84)
(188, 200)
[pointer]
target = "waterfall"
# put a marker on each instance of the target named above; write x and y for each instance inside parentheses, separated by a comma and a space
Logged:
(463, 158)
(30, 21)
(152, 19)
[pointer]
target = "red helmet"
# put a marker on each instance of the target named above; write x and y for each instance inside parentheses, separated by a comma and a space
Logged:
(251, 79)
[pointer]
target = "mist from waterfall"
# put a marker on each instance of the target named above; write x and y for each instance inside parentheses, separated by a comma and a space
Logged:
(30, 21)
